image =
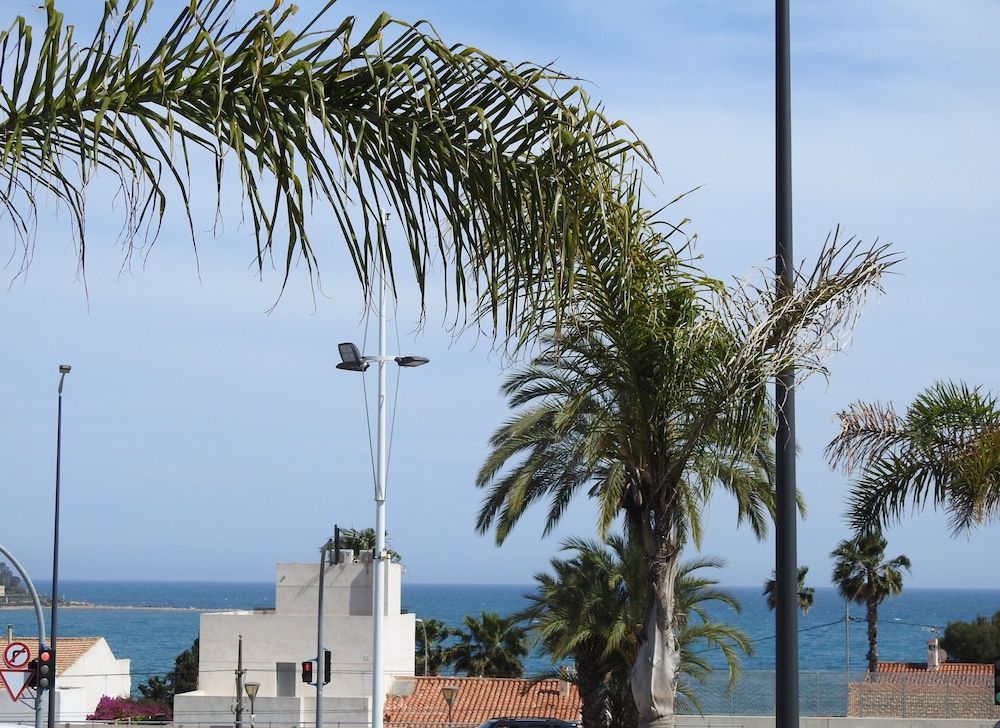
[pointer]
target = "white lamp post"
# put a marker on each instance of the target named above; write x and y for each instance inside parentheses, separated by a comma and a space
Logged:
(352, 360)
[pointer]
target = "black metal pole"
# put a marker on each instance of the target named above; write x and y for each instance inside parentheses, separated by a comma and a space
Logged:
(786, 569)
(63, 371)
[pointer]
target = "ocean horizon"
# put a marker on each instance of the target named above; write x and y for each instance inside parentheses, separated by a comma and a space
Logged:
(164, 619)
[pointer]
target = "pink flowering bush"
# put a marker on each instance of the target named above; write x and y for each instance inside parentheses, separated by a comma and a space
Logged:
(130, 709)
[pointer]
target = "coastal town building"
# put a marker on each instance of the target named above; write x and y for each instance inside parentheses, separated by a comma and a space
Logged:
(86, 671)
(275, 641)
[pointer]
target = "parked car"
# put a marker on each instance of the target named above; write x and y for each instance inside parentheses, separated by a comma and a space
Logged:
(528, 723)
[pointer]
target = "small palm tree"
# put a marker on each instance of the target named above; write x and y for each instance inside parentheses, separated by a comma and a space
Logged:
(863, 576)
(431, 649)
(491, 646)
(807, 595)
(591, 609)
(945, 450)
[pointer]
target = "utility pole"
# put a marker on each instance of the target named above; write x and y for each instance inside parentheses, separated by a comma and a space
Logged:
(239, 685)
(318, 674)
(786, 566)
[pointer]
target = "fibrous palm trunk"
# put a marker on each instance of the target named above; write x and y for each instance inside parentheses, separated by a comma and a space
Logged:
(590, 672)
(872, 636)
(654, 675)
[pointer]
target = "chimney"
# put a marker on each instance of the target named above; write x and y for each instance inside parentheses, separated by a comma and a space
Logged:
(933, 656)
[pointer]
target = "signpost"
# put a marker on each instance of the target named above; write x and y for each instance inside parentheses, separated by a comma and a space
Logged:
(15, 676)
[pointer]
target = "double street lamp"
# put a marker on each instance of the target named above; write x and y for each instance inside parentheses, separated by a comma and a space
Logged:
(352, 360)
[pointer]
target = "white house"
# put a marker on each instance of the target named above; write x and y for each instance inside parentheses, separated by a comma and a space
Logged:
(86, 671)
(276, 641)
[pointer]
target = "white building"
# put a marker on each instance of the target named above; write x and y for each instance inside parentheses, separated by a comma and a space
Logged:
(86, 671)
(276, 641)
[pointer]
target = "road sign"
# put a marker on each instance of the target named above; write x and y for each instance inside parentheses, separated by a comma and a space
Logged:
(16, 655)
(15, 681)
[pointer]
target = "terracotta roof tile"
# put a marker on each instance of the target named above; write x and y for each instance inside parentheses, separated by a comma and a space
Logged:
(70, 649)
(481, 698)
(946, 668)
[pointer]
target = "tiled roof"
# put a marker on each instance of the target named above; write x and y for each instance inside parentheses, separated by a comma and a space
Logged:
(481, 698)
(70, 649)
(945, 668)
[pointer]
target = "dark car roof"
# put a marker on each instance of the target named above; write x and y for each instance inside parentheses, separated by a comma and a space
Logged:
(527, 723)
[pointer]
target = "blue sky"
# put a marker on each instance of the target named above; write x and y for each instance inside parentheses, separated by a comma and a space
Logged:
(207, 436)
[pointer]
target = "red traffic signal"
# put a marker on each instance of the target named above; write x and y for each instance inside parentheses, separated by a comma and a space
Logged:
(45, 671)
(307, 671)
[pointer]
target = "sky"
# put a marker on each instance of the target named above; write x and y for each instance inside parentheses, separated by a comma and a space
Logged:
(208, 436)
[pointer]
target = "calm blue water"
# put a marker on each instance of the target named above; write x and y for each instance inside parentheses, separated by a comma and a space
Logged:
(152, 638)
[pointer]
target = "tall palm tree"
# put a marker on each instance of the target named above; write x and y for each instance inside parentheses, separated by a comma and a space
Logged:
(862, 575)
(945, 450)
(590, 608)
(651, 392)
(477, 157)
(490, 646)
(807, 595)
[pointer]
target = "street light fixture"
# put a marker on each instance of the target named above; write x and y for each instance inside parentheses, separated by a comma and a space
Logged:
(448, 692)
(63, 371)
(251, 688)
(352, 360)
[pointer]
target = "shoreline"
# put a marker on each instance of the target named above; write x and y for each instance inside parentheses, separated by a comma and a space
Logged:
(125, 607)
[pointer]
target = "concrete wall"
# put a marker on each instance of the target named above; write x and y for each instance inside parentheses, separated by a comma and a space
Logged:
(737, 721)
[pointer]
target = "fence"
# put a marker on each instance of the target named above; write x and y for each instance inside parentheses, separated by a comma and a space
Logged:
(823, 694)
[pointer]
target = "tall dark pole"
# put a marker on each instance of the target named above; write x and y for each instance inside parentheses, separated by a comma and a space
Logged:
(63, 371)
(786, 569)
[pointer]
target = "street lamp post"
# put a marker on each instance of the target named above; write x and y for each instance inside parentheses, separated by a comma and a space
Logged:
(352, 360)
(427, 661)
(448, 692)
(251, 688)
(63, 371)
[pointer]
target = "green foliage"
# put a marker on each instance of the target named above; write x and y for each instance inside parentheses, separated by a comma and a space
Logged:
(182, 679)
(490, 646)
(361, 540)
(945, 450)
(806, 594)
(591, 609)
(432, 646)
(977, 641)
(473, 154)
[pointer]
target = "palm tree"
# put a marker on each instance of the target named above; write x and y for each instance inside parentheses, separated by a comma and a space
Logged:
(432, 652)
(477, 157)
(491, 646)
(651, 392)
(591, 608)
(945, 450)
(807, 595)
(863, 576)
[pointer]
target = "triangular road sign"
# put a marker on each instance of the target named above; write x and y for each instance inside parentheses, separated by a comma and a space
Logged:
(15, 681)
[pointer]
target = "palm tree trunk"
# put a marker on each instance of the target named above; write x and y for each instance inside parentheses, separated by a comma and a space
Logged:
(872, 636)
(590, 673)
(654, 675)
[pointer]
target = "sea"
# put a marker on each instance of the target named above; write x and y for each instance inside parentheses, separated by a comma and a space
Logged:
(150, 623)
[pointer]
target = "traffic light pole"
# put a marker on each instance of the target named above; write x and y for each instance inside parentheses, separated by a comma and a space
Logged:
(318, 675)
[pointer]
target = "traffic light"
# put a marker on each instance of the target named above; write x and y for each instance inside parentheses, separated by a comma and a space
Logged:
(327, 660)
(996, 682)
(45, 673)
(32, 681)
(307, 671)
